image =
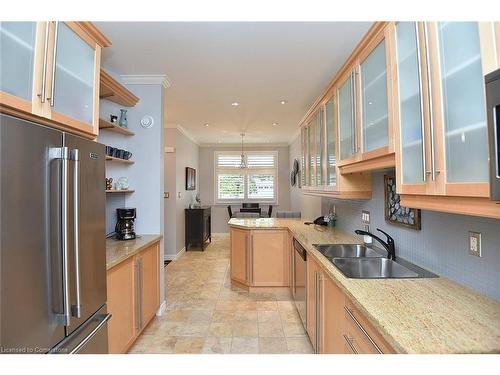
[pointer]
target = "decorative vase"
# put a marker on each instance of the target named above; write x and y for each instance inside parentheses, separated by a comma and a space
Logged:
(123, 122)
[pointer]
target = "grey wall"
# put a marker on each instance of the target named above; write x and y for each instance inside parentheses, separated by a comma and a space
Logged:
(206, 181)
(309, 205)
(185, 155)
(441, 246)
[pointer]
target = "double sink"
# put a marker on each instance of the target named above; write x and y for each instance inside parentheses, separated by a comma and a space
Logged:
(361, 262)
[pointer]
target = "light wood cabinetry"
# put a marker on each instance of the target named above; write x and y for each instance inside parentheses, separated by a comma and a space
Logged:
(334, 325)
(57, 69)
(121, 294)
(133, 297)
(313, 303)
(239, 255)
(441, 131)
(260, 258)
(269, 258)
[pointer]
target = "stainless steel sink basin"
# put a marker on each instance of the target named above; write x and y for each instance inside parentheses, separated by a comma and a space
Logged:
(347, 251)
(372, 268)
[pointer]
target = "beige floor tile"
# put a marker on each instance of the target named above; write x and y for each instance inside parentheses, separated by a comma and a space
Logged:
(293, 330)
(201, 316)
(290, 316)
(286, 306)
(299, 345)
(193, 329)
(269, 317)
(223, 316)
(221, 329)
(154, 345)
(247, 329)
(217, 345)
(167, 328)
(267, 306)
(245, 345)
(189, 345)
(272, 345)
(245, 316)
(246, 305)
(270, 330)
(177, 315)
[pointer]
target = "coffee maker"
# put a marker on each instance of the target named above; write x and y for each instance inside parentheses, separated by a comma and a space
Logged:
(125, 225)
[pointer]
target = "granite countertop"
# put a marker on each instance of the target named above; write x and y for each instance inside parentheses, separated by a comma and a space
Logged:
(434, 315)
(118, 251)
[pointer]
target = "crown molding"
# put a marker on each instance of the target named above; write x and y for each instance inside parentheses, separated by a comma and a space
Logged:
(146, 79)
(183, 131)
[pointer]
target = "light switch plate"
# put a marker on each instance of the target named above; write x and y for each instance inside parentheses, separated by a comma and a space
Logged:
(475, 244)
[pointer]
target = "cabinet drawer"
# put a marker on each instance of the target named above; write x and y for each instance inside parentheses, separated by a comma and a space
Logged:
(364, 339)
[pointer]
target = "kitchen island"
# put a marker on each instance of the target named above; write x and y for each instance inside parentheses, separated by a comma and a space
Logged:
(425, 315)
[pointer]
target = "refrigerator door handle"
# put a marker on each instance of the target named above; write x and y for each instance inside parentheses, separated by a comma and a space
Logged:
(91, 334)
(62, 153)
(75, 157)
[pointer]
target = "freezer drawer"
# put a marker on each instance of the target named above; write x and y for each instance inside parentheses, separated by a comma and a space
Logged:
(89, 338)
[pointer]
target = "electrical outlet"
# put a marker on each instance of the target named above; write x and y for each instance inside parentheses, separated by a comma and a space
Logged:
(365, 217)
(475, 244)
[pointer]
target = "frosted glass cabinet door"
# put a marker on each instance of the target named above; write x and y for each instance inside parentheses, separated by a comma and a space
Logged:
(303, 158)
(74, 76)
(410, 103)
(17, 51)
(312, 154)
(320, 146)
(346, 119)
(331, 175)
(374, 99)
(463, 99)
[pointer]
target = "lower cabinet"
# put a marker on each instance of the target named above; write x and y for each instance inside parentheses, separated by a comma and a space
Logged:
(133, 297)
(334, 325)
(260, 258)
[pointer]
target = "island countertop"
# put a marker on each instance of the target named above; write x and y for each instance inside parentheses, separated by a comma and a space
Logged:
(434, 315)
(118, 251)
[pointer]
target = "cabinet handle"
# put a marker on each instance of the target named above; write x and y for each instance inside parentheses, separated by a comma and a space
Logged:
(349, 342)
(424, 160)
(53, 83)
(362, 329)
(64, 235)
(431, 115)
(44, 73)
(353, 117)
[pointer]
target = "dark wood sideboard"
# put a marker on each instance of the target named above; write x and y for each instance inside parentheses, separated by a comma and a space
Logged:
(198, 227)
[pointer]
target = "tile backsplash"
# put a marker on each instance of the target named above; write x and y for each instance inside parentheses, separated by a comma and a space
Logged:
(442, 244)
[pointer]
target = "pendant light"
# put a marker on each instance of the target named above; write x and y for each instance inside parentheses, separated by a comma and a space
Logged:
(243, 163)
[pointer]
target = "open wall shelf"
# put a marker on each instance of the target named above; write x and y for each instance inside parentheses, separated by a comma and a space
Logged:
(119, 160)
(111, 89)
(118, 191)
(106, 125)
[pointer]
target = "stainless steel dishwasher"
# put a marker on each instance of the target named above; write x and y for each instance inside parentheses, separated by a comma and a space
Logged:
(300, 280)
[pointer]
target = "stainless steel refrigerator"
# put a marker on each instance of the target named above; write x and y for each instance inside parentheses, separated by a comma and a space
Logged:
(52, 246)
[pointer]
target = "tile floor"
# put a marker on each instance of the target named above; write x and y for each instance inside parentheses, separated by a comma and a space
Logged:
(205, 314)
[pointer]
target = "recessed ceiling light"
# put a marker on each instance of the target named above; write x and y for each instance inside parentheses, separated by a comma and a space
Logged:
(275, 123)
(206, 124)
(283, 101)
(235, 104)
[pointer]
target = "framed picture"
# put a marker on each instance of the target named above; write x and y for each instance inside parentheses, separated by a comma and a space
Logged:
(190, 178)
(394, 212)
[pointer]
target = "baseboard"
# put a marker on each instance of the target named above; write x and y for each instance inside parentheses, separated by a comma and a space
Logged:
(162, 308)
(174, 256)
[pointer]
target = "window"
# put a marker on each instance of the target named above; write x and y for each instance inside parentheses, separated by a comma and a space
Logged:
(257, 182)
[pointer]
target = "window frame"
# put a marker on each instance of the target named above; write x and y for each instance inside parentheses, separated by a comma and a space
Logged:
(246, 172)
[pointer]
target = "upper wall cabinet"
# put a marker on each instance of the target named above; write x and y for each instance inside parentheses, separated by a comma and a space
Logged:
(54, 73)
(441, 132)
(320, 155)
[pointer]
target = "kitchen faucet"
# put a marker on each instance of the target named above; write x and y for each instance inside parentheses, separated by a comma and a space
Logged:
(389, 245)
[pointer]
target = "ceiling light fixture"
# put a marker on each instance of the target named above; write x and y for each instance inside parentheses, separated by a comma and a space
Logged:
(235, 104)
(243, 163)
(283, 101)
(275, 123)
(206, 124)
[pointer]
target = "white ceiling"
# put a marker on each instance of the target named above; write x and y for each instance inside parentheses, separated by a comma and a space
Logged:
(211, 65)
